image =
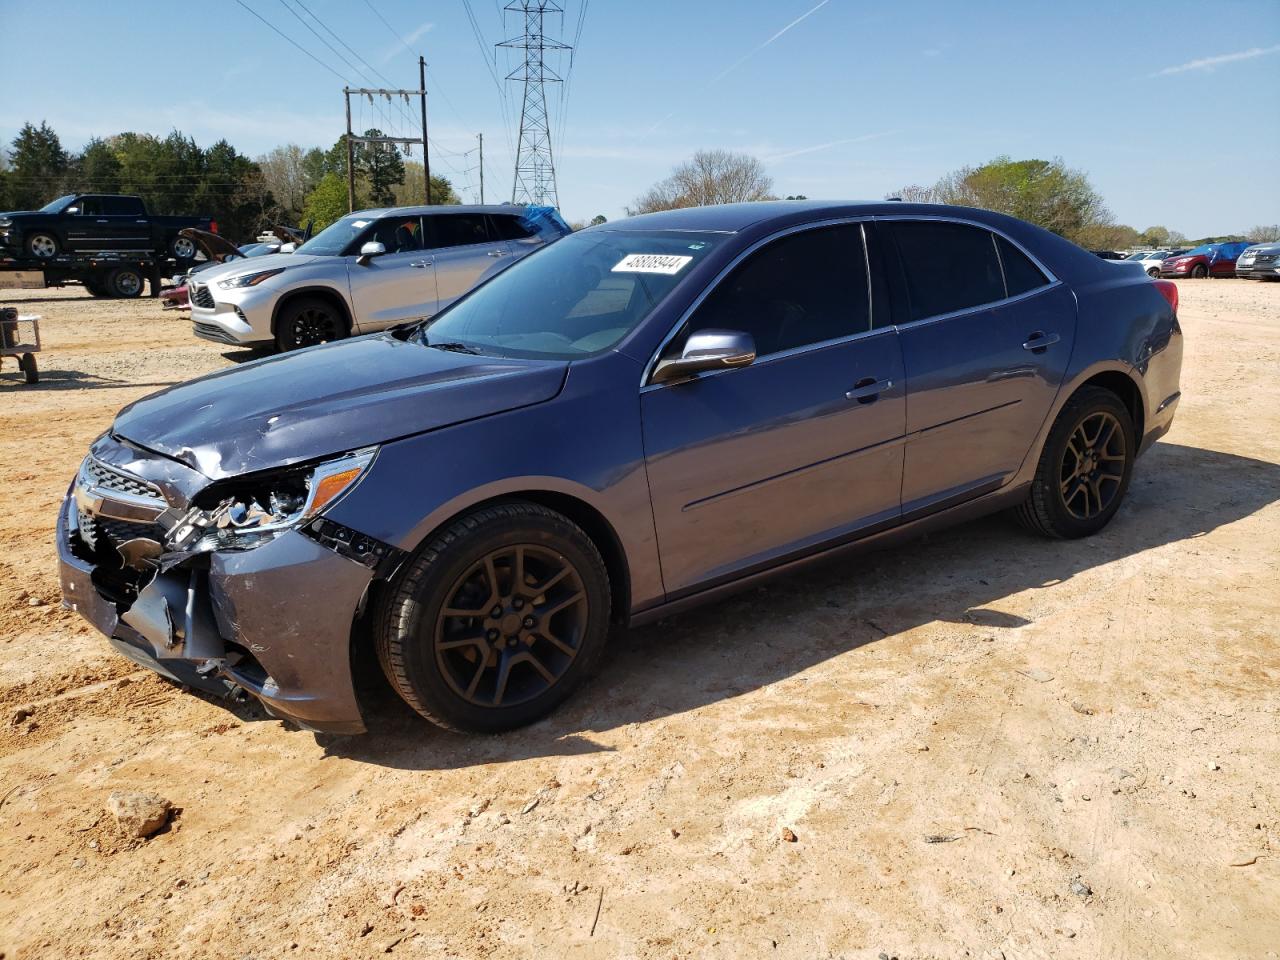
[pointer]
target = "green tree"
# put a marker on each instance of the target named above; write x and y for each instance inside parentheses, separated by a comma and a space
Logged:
(598, 219)
(97, 169)
(327, 202)
(1043, 192)
(410, 192)
(40, 166)
(381, 168)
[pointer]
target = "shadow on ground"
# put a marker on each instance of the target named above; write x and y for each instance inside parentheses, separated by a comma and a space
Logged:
(770, 633)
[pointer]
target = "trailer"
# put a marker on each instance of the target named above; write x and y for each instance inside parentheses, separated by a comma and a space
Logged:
(106, 274)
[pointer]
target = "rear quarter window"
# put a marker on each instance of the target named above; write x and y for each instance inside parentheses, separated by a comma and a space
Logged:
(509, 228)
(1020, 274)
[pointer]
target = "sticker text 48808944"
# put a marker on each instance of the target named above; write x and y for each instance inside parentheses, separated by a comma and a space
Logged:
(651, 263)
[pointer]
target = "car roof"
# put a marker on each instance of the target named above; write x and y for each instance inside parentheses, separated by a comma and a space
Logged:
(511, 209)
(736, 217)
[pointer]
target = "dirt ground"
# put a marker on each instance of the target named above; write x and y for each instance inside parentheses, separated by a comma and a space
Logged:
(983, 744)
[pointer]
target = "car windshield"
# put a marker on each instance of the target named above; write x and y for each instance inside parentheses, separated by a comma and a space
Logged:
(258, 249)
(1199, 251)
(1137, 256)
(573, 298)
(333, 239)
(55, 206)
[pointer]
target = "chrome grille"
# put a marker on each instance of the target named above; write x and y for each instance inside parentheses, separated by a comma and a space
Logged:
(109, 534)
(109, 478)
(200, 295)
(1266, 258)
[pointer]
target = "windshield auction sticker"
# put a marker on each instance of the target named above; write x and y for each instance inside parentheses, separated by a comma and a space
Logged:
(651, 263)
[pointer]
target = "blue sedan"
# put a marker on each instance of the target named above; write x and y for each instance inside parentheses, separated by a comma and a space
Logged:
(642, 416)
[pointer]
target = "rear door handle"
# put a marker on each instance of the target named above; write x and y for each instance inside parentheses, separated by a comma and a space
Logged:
(104, 221)
(1038, 341)
(868, 389)
(421, 263)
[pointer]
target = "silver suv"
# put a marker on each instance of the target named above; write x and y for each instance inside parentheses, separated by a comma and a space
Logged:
(367, 271)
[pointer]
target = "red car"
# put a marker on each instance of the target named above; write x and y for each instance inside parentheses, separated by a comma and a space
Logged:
(1207, 260)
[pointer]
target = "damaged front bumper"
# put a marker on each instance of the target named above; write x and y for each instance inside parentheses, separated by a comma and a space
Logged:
(274, 621)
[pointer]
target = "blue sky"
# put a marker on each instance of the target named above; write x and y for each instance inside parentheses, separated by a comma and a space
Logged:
(1170, 107)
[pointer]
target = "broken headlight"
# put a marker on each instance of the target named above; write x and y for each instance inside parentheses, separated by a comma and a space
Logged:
(247, 512)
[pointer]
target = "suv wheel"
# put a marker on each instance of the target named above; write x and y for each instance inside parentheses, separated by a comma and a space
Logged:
(308, 321)
(1084, 469)
(497, 619)
(1199, 271)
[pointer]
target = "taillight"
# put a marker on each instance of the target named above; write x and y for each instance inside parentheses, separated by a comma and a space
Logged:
(213, 226)
(1169, 290)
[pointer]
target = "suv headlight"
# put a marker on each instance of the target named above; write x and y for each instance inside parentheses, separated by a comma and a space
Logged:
(248, 279)
(247, 512)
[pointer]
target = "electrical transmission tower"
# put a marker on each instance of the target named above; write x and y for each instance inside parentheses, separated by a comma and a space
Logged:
(535, 176)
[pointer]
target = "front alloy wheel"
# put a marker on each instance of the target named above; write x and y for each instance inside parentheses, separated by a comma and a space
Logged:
(42, 246)
(308, 322)
(497, 619)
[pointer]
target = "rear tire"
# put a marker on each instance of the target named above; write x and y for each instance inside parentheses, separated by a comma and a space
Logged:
(1084, 468)
(125, 282)
(27, 364)
(95, 288)
(309, 321)
(497, 619)
(182, 249)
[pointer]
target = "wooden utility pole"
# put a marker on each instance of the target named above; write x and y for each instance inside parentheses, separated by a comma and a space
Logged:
(426, 161)
(481, 136)
(351, 166)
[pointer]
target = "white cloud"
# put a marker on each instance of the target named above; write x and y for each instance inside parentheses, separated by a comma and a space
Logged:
(1208, 63)
(801, 151)
(409, 41)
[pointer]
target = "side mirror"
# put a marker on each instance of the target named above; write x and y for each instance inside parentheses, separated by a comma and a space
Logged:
(370, 250)
(71, 211)
(707, 350)
(290, 247)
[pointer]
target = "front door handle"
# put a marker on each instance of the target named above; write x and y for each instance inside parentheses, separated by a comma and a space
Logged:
(868, 389)
(497, 253)
(1039, 340)
(421, 263)
(104, 221)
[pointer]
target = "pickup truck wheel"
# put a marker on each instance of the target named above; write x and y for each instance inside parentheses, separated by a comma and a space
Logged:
(1199, 271)
(125, 282)
(42, 246)
(497, 619)
(182, 248)
(308, 321)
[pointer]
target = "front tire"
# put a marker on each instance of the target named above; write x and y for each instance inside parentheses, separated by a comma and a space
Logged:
(1199, 271)
(497, 619)
(309, 321)
(1084, 469)
(1154, 273)
(43, 246)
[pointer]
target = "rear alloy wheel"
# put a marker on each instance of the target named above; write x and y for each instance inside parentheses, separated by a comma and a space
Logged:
(126, 282)
(42, 246)
(307, 322)
(183, 248)
(1199, 271)
(497, 619)
(1084, 469)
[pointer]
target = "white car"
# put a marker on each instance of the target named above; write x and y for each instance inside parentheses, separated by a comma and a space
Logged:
(1150, 260)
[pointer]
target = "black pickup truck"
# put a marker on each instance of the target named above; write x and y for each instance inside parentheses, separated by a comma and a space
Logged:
(96, 223)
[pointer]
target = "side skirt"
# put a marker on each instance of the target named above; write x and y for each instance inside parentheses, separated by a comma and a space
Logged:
(989, 503)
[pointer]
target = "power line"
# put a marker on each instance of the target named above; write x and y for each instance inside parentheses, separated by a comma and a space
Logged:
(535, 172)
(292, 41)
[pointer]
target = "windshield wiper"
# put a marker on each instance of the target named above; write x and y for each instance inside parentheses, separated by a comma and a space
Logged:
(451, 346)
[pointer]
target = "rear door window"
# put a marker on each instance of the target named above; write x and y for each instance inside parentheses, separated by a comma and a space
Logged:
(1020, 274)
(122, 206)
(507, 227)
(458, 229)
(948, 267)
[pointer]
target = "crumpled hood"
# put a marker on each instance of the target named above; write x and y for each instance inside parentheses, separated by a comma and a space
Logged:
(327, 400)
